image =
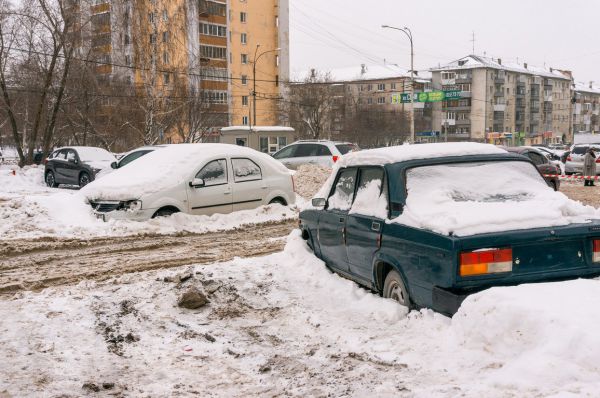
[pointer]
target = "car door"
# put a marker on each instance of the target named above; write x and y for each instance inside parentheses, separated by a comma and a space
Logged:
(331, 230)
(72, 167)
(60, 167)
(365, 221)
(249, 187)
(214, 194)
(286, 155)
(305, 153)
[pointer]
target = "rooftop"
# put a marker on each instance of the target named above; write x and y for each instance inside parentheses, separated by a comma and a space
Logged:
(586, 88)
(257, 128)
(365, 72)
(477, 61)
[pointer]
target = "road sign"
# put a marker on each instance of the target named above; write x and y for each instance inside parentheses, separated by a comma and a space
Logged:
(429, 96)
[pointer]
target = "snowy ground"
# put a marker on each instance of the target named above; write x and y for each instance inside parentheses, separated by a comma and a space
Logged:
(79, 319)
(283, 325)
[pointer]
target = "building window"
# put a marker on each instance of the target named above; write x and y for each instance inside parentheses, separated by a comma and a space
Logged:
(128, 60)
(167, 78)
(381, 100)
(152, 38)
(213, 52)
(380, 86)
(151, 17)
(213, 30)
(244, 38)
(165, 58)
(244, 80)
(126, 39)
(244, 100)
(277, 60)
(213, 8)
(244, 58)
(369, 101)
(244, 120)
(215, 97)
(243, 17)
(165, 37)
(393, 86)
(165, 16)
(276, 80)
(215, 74)
(369, 87)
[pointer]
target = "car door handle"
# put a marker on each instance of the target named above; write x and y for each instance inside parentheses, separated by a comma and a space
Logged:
(375, 226)
(342, 219)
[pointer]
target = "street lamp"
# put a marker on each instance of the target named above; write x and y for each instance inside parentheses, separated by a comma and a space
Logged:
(408, 33)
(256, 58)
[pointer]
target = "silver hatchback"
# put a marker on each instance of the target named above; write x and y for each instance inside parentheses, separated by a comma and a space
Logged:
(574, 164)
(320, 152)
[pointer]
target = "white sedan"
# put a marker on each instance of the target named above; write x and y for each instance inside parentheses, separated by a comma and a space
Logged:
(200, 179)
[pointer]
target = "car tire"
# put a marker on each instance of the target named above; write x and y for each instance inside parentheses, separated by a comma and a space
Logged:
(51, 180)
(165, 212)
(395, 289)
(84, 179)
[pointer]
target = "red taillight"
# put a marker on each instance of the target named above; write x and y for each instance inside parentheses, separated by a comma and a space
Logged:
(335, 158)
(569, 159)
(596, 256)
(598, 160)
(46, 161)
(488, 261)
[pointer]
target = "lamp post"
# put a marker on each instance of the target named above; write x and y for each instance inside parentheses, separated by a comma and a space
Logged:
(256, 58)
(408, 33)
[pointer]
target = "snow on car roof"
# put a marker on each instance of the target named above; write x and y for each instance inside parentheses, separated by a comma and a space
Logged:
(403, 153)
(160, 170)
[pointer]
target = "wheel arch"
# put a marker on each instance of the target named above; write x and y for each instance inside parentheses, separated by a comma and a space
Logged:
(382, 265)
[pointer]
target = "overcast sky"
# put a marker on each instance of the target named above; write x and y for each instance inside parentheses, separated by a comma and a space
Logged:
(327, 34)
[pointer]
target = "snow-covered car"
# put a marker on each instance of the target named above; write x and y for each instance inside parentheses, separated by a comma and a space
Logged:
(76, 165)
(574, 164)
(427, 225)
(321, 152)
(200, 179)
(137, 153)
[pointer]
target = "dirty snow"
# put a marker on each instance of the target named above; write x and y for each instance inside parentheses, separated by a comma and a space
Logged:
(284, 325)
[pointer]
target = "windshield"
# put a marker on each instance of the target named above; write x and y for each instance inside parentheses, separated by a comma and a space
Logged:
(95, 155)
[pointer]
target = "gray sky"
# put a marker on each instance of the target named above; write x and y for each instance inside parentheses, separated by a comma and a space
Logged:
(328, 34)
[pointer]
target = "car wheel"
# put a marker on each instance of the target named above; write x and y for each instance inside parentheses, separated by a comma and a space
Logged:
(394, 288)
(84, 179)
(165, 212)
(50, 180)
(279, 201)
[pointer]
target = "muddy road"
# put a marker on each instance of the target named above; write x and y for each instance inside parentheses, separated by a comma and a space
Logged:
(40, 263)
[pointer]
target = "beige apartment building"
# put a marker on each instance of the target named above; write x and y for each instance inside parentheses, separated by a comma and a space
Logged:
(187, 47)
(586, 108)
(503, 103)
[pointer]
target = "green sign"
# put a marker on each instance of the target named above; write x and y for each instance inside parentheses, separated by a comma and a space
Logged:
(430, 96)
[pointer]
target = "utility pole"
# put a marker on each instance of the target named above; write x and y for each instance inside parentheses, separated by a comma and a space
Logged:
(408, 33)
(256, 58)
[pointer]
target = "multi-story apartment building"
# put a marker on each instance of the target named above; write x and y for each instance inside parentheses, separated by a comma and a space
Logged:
(586, 108)
(189, 48)
(502, 103)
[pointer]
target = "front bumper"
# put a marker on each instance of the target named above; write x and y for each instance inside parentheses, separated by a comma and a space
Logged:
(137, 215)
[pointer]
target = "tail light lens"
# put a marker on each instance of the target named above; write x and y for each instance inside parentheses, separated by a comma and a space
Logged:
(596, 256)
(598, 160)
(569, 159)
(335, 158)
(489, 261)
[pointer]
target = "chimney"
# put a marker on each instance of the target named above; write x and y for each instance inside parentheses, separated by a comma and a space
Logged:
(591, 84)
(499, 61)
(313, 73)
(363, 69)
(525, 65)
(551, 69)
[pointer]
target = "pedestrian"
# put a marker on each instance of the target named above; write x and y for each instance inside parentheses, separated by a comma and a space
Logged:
(589, 167)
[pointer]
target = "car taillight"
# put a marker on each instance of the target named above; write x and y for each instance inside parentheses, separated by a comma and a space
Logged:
(335, 158)
(596, 256)
(46, 161)
(488, 261)
(598, 160)
(569, 159)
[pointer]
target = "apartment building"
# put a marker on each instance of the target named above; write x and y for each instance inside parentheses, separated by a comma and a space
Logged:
(187, 48)
(503, 103)
(586, 108)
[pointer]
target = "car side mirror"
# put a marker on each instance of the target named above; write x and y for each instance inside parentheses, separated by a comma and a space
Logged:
(113, 165)
(319, 202)
(197, 183)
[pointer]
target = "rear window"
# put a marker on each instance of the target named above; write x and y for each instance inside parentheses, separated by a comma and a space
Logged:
(345, 148)
(580, 150)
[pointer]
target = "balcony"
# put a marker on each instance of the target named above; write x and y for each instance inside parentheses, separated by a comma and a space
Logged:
(449, 122)
(462, 78)
(500, 79)
(499, 107)
(458, 108)
(463, 122)
(535, 107)
(465, 94)
(521, 80)
(448, 82)
(498, 116)
(520, 93)
(520, 104)
(535, 93)
(499, 93)
(548, 98)
(547, 108)
(548, 86)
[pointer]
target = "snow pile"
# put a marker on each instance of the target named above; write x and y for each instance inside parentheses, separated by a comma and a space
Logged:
(539, 334)
(282, 325)
(309, 178)
(468, 199)
(29, 179)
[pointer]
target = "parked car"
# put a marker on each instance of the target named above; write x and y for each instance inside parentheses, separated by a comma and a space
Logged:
(574, 164)
(541, 161)
(321, 152)
(558, 147)
(427, 225)
(77, 165)
(191, 178)
(130, 156)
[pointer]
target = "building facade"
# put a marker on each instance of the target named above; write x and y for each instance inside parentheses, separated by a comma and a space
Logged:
(586, 108)
(503, 103)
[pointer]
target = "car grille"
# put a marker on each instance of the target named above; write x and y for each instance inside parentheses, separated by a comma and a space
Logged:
(105, 207)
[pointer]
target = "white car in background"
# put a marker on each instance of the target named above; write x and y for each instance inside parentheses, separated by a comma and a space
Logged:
(574, 163)
(199, 179)
(320, 152)
(137, 153)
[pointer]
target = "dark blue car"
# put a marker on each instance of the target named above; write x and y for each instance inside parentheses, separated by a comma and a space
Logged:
(428, 225)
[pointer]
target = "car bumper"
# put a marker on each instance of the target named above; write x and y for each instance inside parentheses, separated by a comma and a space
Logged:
(137, 215)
